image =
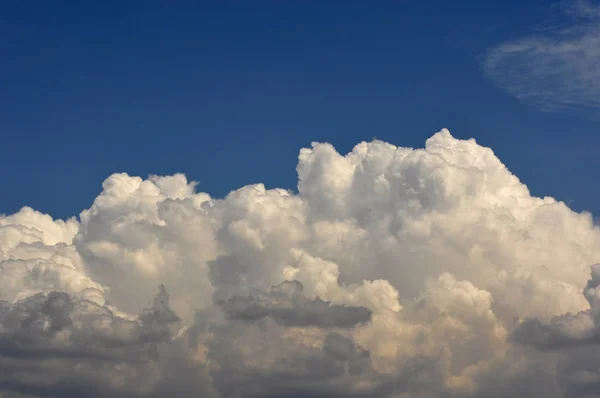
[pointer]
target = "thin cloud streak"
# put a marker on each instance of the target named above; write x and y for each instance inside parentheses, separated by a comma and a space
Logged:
(556, 70)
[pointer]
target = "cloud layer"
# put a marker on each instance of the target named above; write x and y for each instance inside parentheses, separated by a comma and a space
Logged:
(392, 272)
(555, 70)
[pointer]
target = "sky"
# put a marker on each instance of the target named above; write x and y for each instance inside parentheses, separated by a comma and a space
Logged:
(299, 199)
(229, 92)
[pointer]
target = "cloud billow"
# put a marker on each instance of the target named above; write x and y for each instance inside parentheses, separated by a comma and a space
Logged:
(286, 305)
(392, 272)
(57, 345)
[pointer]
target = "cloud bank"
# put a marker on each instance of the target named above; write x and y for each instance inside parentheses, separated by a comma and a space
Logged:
(392, 272)
(557, 69)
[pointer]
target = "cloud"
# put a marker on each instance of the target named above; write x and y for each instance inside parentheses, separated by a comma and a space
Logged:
(392, 272)
(556, 69)
(58, 345)
(566, 330)
(286, 305)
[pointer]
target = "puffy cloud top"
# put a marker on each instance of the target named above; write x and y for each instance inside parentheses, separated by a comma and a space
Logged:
(391, 272)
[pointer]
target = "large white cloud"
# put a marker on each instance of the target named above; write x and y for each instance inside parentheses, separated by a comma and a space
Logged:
(392, 272)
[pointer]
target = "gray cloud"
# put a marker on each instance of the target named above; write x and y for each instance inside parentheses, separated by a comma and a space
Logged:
(59, 346)
(558, 333)
(286, 304)
(335, 369)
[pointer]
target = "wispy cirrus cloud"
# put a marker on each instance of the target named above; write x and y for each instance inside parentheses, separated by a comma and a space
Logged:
(556, 70)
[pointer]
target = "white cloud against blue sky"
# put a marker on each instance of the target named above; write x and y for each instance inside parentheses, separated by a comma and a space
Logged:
(393, 272)
(409, 266)
(555, 69)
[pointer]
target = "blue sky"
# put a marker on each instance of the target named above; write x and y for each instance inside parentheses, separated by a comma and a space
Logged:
(228, 92)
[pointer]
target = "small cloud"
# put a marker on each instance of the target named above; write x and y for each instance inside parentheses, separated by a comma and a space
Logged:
(557, 70)
(286, 304)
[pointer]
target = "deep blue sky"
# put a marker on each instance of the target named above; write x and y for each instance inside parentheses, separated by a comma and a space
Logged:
(228, 92)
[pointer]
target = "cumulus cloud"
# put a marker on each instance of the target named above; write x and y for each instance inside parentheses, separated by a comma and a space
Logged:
(391, 272)
(556, 69)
